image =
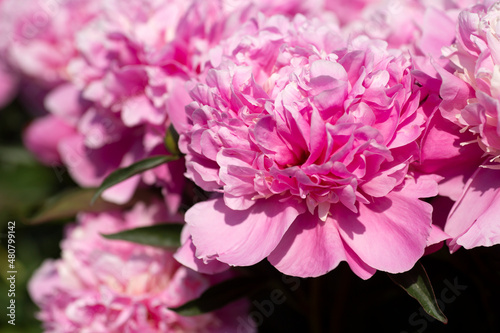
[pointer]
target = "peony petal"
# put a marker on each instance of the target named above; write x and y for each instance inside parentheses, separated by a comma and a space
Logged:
(268, 139)
(473, 220)
(178, 98)
(249, 236)
(438, 31)
(186, 256)
(139, 109)
(486, 229)
(309, 248)
(390, 233)
(43, 135)
(65, 102)
(121, 193)
(358, 266)
(441, 145)
(454, 92)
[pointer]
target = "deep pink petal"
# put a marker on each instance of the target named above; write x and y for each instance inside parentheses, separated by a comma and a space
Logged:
(441, 146)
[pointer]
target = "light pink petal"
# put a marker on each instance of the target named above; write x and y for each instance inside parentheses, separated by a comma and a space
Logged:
(44, 280)
(317, 139)
(186, 256)
(423, 186)
(437, 235)
(443, 154)
(385, 180)
(474, 219)
(454, 93)
(178, 98)
(184, 286)
(309, 248)
(438, 31)
(248, 236)
(121, 193)
(139, 109)
(486, 229)
(389, 233)
(268, 139)
(358, 266)
(43, 135)
(65, 102)
(436, 239)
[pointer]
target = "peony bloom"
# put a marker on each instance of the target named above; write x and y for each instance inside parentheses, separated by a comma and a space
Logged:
(105, 98)
(476, 64)
(108, 286)
(307, 142)
(38, 36)
(471, 103)
(346, 10)
(422, 26)
(124, 86)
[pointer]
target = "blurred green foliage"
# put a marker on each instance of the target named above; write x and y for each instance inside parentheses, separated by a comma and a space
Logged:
(24, 185)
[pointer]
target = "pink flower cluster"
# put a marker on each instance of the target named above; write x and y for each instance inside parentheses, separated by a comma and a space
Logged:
(317, 127)
(117, 59)
(106, 286)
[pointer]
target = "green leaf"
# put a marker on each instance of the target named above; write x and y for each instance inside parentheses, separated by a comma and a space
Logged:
(171, 139)
(68, 204)
(417, 284)
(120, 175)
(166, 235)
(220, 295)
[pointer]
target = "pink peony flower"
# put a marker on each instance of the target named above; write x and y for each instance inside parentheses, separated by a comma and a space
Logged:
(422, 26)
(470, 91)
(108, 286)
(125, 86)
(38, 36)
(347, 10)
(102, 93)
(308, 142)
(476, 65)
